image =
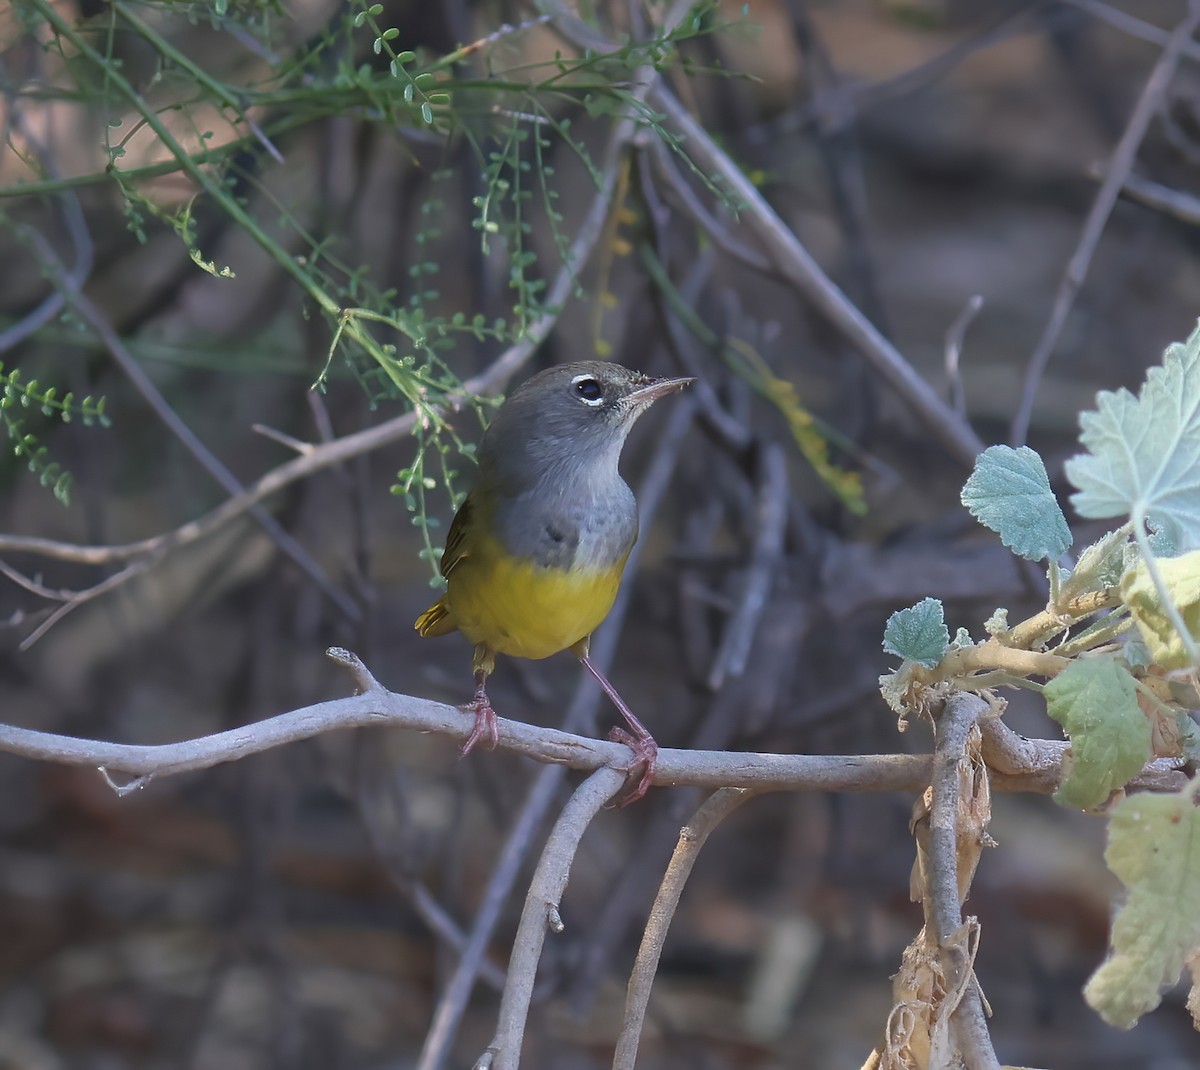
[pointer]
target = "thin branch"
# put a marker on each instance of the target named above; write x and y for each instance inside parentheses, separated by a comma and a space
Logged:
(765, 560)
(1115, 174)
(1131, 25)
(796, 264)
(337, 452)
(540, 910)
(218, 89)
(1172, 202)
(692, 838)
(794, 261)
(955, 334)
(81, 598)
(174, 423)
(34, 586)
(716, 229)
(453, 1001)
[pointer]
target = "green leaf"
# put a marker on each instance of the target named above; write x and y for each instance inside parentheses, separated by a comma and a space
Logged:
(1144, 452)
(1095, 701)
(918, 634)
(1181, 576)
(1099, 566)
(1010, 493)
(1154, 848)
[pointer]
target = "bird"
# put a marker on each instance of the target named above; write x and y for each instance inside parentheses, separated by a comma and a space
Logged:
(535, 553)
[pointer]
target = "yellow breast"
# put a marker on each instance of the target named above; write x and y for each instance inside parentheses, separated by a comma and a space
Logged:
(528, 611)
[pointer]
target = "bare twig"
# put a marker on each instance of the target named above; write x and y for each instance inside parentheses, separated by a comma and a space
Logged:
(1115, 174)
(453, 1000)
(77, 228)
(80, 598)
(837, 142)
(803, 272)
(676, 306)
(191, 442)
(34, 586)
(955, 334)
(716, 229)
(692, 838)
(1132, 25)
(765, 559)
(436, 918)
(794, 261)
(375, 705)
(541, 906)
(1172, 202)
(327, 454)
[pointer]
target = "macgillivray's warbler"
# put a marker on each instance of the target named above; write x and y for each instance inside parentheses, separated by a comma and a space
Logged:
(535, 553)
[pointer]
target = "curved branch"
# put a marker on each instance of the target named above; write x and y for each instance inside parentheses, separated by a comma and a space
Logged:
(541, 912)
(794, 262)
(692, 838)
(375, 705)
(316, 458)
(1115, 173)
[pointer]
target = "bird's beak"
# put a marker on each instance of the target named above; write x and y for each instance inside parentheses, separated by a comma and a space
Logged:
(644, 396)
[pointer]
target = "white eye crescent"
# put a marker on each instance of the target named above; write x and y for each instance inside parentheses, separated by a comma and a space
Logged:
(588, 390)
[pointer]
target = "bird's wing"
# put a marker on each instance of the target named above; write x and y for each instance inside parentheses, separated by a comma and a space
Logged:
(456, 538)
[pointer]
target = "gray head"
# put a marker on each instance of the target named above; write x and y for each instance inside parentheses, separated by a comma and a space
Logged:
(577, 415)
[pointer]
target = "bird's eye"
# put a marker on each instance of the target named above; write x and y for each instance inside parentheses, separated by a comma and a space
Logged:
(587, 389)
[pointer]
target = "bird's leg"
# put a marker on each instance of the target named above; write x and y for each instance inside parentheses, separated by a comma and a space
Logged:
(638, 739)
(485, 717)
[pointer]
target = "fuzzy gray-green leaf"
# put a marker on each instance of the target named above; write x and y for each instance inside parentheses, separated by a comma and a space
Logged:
(918, 634)
(1010, 493)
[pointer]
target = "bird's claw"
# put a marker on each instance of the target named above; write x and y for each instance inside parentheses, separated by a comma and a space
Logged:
(486, 729)
(645, 754)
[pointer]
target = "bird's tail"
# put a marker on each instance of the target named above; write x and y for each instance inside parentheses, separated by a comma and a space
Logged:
(436, 620)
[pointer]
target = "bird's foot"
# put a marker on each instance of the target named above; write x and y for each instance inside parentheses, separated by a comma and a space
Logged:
(486, 729)
(645, 754)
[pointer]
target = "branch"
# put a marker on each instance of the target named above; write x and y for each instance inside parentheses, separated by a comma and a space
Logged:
(1115, 174)
(795, 263)
(1131, 25)
(766, 556)
(946, 885)
(1035, 765)
(375, 705)
(86, 309)
(541, 911)
(692, 838)
(316, 458)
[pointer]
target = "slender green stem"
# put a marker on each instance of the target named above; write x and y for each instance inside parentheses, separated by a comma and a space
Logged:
(201, 76)
(1164, 595)
(210, 185)
(1099, 633)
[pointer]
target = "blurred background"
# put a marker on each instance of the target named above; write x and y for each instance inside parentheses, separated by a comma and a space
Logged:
(307, 907)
